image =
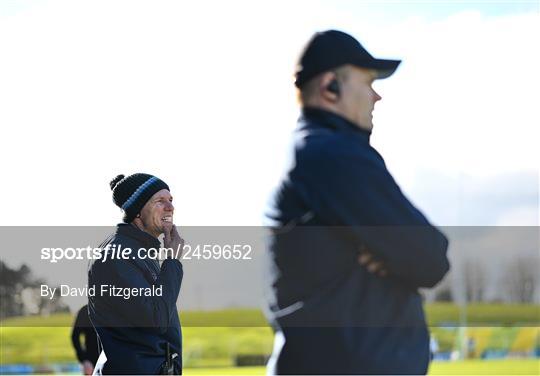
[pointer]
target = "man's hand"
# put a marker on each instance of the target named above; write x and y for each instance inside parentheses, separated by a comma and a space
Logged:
(87, 367)
(366, 258)
(173, 241)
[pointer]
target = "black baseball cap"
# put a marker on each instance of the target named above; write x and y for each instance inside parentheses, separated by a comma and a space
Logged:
(330, 49)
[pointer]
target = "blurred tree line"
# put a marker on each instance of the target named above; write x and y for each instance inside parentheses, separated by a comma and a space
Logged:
(20, 294)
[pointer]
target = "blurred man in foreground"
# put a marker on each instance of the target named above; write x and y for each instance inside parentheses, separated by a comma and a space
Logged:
(134, 307)
(349, 251)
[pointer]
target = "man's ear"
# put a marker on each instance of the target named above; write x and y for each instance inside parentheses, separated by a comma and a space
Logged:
(137, 220)
(329, 87)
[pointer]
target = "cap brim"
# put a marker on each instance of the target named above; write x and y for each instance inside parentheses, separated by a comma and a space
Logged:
(384, 68)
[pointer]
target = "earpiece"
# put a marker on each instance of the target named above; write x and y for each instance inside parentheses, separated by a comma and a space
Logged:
(333, 87)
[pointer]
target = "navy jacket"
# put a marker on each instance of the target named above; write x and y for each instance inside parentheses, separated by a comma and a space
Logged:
(336, 317)
(135, 332)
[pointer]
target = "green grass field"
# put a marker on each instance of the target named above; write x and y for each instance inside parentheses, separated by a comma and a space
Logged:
(437, 314)
(207, 348)
(203, 347)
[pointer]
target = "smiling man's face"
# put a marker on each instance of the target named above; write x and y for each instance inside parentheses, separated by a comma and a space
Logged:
(157, 212)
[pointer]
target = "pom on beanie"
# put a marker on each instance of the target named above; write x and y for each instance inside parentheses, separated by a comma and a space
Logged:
(115, 181)
(131, 193)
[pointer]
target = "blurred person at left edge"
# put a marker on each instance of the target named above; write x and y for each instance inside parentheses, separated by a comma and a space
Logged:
(140, 334)
(87, 350)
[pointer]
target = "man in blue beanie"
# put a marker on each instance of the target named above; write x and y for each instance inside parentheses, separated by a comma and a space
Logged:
(134, 305)
(349, 251)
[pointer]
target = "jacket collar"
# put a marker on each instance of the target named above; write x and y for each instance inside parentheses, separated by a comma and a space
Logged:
(331, 119)
(147, 240)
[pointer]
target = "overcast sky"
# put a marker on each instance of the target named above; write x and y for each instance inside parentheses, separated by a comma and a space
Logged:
(201, 95)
